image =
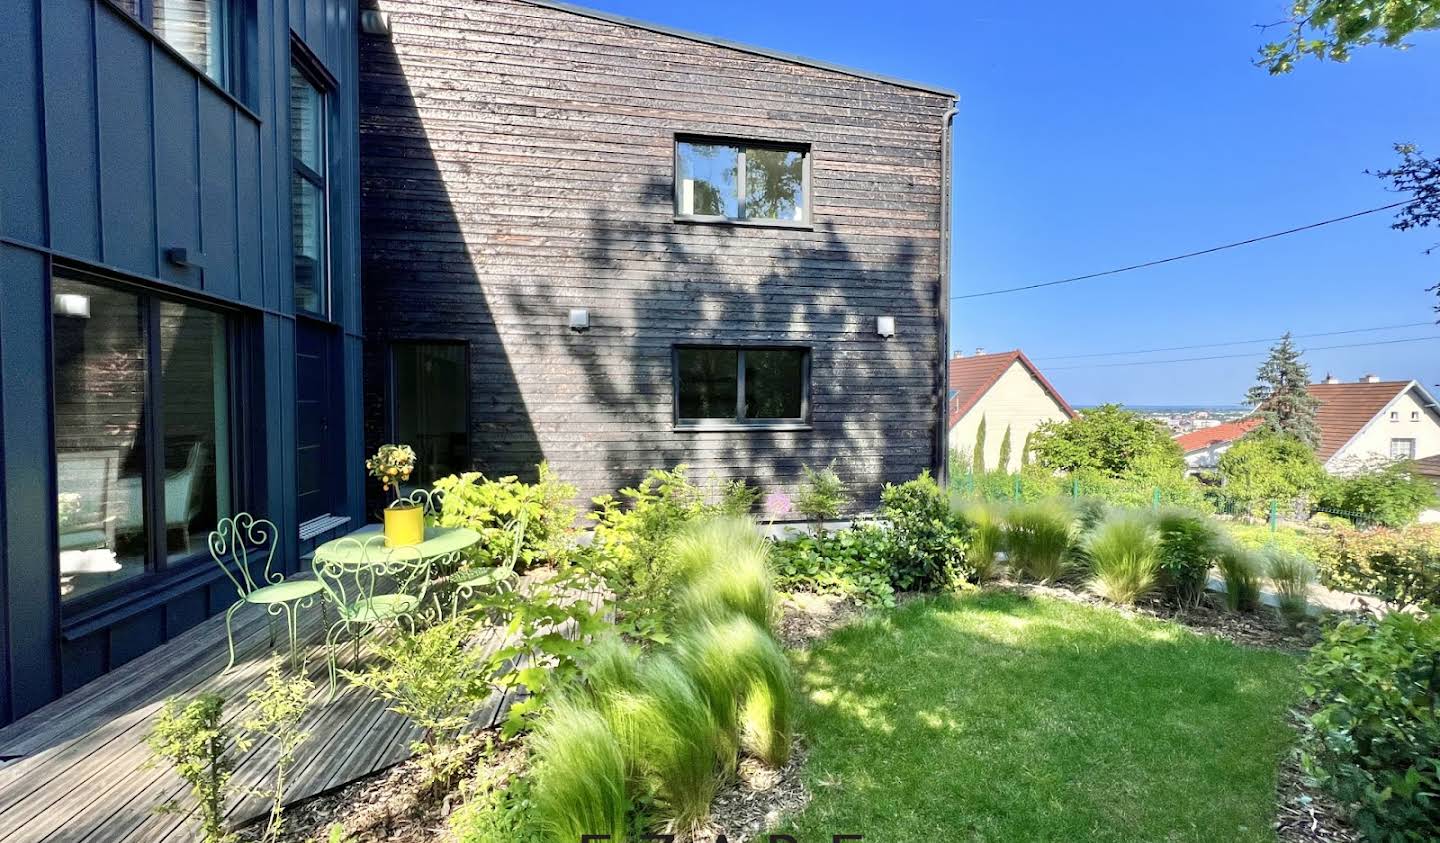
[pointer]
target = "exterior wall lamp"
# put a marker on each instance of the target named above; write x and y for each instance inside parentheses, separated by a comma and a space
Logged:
(579, 319)
(885, 326)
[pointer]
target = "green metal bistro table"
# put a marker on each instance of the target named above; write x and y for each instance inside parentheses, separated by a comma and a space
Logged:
(372, 584)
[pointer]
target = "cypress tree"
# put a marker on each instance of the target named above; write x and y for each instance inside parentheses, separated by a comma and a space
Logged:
(979, 455)
(1026, 455)
(1284, 403)
(1005, 451)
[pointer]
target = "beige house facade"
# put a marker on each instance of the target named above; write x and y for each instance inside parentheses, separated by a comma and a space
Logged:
(1006, 391)
(1371, 421)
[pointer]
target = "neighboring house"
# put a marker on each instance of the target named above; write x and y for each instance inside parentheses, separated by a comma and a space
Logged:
(1006, 391)
(1429, 468)
(1203, 447)
(1371, 421)
(616, 246)
(180, 323)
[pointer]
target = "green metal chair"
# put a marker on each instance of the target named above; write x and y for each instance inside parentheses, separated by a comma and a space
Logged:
(467, 582)
(234, 544)
(371, 586)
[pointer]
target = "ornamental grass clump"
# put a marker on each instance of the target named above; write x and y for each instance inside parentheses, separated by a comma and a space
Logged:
(986, 534)
(579, 778)
(1240, 568)
(729, 565)
(745, 680)
(1291, 575)
(1039, 538)
(1124, 553)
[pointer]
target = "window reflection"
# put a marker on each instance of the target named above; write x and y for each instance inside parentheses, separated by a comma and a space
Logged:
(195, 386)
(709, 176)
(431, 391)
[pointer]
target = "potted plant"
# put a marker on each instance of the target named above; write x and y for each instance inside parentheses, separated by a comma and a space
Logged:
(404, 519)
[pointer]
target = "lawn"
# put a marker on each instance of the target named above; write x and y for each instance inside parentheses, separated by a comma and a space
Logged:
(997, 717)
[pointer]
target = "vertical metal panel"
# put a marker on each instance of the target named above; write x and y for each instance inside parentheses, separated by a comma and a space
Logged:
(32, 582)
(135, 635)
(314, 34)
(127, 165)
(217, 192)
(354, 452)
(84, 659)
(22, 179)
(177, 201)
(72, 152)
(248, 219)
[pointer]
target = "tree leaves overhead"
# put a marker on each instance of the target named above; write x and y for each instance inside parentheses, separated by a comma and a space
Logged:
(1329, 29)
(1420, 177)
(1281, 393)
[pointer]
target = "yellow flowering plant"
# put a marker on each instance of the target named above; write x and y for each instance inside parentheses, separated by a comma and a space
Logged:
(392, 465)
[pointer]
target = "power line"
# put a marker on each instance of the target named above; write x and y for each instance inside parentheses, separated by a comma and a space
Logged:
(1233, 356)
(1233, 342)
(1174, 258)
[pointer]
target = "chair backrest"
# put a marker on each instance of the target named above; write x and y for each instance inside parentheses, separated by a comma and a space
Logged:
(235, 540)
(360, 569)
(90, 476)
(517, 528)
(430, 499)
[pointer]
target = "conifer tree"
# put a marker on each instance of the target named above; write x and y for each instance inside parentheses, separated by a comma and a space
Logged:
(979, 454)
(1004, 464)
(1281, 396)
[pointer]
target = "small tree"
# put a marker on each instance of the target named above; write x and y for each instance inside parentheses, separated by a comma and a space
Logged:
(279, 706)
(1004, 463)
(979, 453)
(1265, 466)
(822, 495)
(193, 737)
(1026, 454)
(1281, 393)
(1109, 441)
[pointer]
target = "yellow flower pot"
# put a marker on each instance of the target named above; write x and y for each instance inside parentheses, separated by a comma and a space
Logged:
(404, 525)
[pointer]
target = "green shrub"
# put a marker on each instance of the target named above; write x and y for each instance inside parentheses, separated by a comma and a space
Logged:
(492, 507)
(496, 806)
(277, 708)
(1264, 467)
(1373, 739)
(737, 498)
(1090, 512)
(1401, 567)
(853, 563)
(579, 783)
(1291, 576)
(194, 738)
(1124, 554)
(1038, 538)
(727, 565)
(634, 533)
(822, 495)
(1189, 545)
(928, 549)
(745, 679)
(985, 531)
(1240, 568)
(1391, 495)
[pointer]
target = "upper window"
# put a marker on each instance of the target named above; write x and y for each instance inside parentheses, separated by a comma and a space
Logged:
(430, 393)
(718, 180)
(1402, 449)
(200, 30)
(309, 220)
(1394, 415)
(142, 432)
(757, 386)
(1414, 415)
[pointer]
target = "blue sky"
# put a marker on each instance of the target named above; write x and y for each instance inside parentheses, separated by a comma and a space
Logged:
(1092, 136)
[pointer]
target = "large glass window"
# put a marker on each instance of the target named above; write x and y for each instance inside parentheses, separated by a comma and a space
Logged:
(200, 30)
(431, 389)
(1402, 449)
(743, 385)
(142, 432)
(721, 180)
(309, 223)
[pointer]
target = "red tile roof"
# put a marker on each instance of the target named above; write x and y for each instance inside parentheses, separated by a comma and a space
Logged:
(1345, 408)
(972, 377)
(1203, 438)
(1430, 466)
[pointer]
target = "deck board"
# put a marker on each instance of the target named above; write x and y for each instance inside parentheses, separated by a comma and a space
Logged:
(86, 774)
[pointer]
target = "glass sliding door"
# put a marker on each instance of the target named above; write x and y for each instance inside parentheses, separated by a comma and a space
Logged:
(430, 385)
(142, 432)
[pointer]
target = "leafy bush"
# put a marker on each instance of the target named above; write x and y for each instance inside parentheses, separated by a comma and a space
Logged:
(1263, 467)
(1373, 739)
(1392, 495)
(1109, 441)
(1401, 567)
(634, 533)
(579, 783)
(193, 737)
(737, 498)
(745, 679)
(496, 807)
(822, 495)
(1189, 544)
(928, 551)
(853, 563)
(727, 564)
(1291, 576)
(1240, 568)
(278, 707)
(1038, 538)
(1124, 554)
(492, 507)
(985, 530)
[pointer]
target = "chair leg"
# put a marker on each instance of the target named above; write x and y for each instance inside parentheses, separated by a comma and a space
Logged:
(229, 634)
(293, 629)
(270, 621)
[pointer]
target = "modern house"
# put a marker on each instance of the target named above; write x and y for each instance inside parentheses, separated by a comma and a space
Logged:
(179, 313)
(1369, 421)
(616, 246)
(1203, 447)
(1007, 393)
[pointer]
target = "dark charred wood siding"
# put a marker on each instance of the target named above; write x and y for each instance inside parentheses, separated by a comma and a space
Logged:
(517, 161)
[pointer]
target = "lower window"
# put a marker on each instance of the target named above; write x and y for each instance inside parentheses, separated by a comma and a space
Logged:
(142, 432)
(1402, 449)
(753, 386)
(430, 394)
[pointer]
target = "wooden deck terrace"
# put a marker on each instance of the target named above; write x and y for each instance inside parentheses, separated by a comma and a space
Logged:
(79, 768)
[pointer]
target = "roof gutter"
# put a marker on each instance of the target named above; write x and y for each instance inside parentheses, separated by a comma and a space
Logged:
(942, 424)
